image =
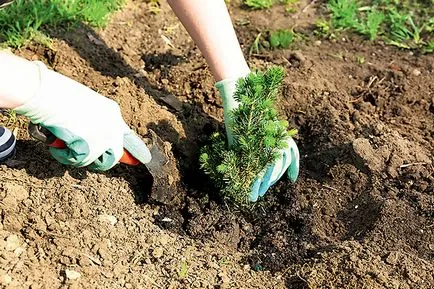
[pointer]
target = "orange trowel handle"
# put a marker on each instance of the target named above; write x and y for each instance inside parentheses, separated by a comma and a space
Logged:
(126, 158)
(44, 135)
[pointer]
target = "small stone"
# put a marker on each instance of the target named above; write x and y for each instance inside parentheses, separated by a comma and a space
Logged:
(103, 253)
(165, 81)
(18, 251)
(5, 279)
(17, 192)
(84, 261)
(353, 257)
(157, 252)
(65, 260)
(318, 43)
(12, 242)
(108, 219)
(392, 258)
(69, 252)
(224, 278)
(107, 274)
(413, 276)
(72, 275)
(164, 239)
(416, 72)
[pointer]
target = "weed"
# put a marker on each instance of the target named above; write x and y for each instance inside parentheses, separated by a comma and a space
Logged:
(405, 24)
(24, 20)
(258, 137)
(360, 59)
(281, 38)
(255, 47)
(259, 4)
(323, 29)
(154, 6)
(182, 273)
(404, 32)
(344, 13)
(11, 116)
(275, 39)
(290, 5)
(224, 261)
(429, 47)
(371, 25)
(265, 4)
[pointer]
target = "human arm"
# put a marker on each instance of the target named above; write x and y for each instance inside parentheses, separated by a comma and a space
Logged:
(91, 125)
(13, 70)
(210, 26)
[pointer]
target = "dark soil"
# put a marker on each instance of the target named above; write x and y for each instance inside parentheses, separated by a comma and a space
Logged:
(360, 216)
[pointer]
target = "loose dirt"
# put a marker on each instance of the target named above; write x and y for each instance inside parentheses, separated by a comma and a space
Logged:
(360, 216)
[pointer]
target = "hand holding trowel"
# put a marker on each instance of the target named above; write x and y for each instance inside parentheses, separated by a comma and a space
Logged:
(162, 166)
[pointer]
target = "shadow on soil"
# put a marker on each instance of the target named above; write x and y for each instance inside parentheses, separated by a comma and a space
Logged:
(31, 154)
(276, 233)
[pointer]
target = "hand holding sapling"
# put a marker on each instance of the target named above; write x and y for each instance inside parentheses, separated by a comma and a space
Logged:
(260, 147)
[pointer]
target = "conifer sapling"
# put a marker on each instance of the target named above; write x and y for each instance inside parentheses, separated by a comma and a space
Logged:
(258, 137)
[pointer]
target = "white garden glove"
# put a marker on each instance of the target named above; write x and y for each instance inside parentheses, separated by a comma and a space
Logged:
(290, 157)
(90, 124)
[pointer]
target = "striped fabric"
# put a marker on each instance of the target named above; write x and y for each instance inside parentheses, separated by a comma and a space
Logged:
(4, 3)
(7, 144)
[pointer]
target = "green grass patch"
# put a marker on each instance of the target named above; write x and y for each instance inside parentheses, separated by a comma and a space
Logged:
(274, 39)
(265, 4)
(24, 21)
(259, 4)
(281, 38)
(406, 24)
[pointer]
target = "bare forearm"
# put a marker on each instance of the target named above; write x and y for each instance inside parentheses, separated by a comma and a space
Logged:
(19, 80)
(209, 24)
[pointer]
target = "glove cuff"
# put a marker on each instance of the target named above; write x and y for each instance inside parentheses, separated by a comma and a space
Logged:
(227, 88)
(30, 108)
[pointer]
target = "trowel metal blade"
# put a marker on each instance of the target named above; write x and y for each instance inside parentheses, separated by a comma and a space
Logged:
(163, 170)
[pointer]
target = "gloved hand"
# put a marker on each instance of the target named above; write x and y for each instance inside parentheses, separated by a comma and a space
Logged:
(289, 160)
(90, 124)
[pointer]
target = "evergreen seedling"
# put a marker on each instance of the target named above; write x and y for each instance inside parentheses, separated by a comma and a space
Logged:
(258, 137)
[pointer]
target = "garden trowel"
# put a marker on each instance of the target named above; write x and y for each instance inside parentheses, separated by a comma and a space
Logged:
(162, 166)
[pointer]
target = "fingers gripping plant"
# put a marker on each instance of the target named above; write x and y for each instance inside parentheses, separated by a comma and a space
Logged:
(258, 137)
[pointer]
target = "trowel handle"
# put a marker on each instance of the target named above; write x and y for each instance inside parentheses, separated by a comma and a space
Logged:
(44, 135)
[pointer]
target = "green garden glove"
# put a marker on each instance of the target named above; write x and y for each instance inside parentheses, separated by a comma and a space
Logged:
(90, 124)
(290, 157)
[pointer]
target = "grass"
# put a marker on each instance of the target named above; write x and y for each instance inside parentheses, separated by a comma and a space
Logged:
(274, 39)
(281, 38)
(402, 23)
(24, 21)
(259, 4)
(183, 270)
(265, 4)
(371, 26)
(343, 13)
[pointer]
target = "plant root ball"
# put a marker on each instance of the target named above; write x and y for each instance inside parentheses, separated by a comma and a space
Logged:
(7, 144)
